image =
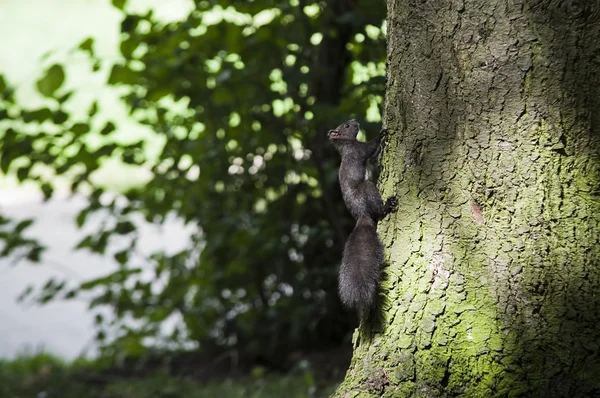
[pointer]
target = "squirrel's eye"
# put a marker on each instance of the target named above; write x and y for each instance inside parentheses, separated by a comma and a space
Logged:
(346, 125)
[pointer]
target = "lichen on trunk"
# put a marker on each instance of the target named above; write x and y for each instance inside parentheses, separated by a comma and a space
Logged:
(494, 154)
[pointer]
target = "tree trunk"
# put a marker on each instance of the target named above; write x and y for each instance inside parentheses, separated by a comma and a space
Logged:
(492, 287)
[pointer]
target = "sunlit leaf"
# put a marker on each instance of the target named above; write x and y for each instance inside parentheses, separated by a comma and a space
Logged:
(122, 257)
(93, 109)
(23, 225)
(108, 128)
(87, 45)
(65, 97)
(59, 117)
(39, 115)
(80, 128)
(125, 227)
(54, 78)
(47, 190)
(23, 173)
(121, 74)
(118, 3)
(34, 254)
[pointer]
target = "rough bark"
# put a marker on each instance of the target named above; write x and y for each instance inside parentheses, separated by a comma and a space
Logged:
(492, 287)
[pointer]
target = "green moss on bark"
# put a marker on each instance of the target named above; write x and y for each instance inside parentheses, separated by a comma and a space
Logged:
(494, 252)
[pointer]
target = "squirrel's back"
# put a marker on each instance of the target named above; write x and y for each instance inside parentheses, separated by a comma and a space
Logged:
(361, 265)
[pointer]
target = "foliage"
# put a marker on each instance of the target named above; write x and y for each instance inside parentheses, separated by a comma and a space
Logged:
(241, 93)
(45, 375)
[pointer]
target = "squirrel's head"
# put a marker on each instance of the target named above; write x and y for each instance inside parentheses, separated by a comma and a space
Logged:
(345, 131)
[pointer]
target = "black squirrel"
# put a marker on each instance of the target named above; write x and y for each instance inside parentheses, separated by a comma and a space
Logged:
(363, 252)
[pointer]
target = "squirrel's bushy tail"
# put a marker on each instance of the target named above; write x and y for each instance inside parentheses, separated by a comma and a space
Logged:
(361, 264)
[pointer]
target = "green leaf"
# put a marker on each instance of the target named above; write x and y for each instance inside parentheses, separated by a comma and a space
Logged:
(80, 128)
(23, 173)
(65, 97)
(127, 47)
(54, 78)
(93, 109)
(85, 243)
(59, 117)
(50, 290)
(118, 276)
(125, 227)
(3, 85)
(120, 4)
(129, 24)
(6, 158)
(23, 225)
(121, 74)
(108, 128)
(122, 257)
(25, 293)
(87, 46)
(47, 190)
(35, 254)
(39, 115)
(106, 150)
(81, 217)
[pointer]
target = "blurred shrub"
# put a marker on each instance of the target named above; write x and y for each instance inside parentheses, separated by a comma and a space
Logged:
(44, 376)
(241, 94)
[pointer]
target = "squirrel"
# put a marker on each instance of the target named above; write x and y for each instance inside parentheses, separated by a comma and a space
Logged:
(363, 251)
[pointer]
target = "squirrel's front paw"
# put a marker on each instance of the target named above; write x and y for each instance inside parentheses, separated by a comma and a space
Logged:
(384, 135)
(391, 204)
